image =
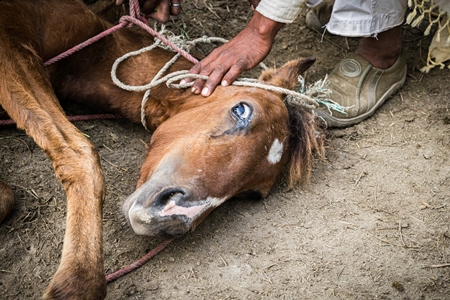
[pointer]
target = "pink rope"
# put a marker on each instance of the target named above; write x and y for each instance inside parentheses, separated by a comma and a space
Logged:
(84, 44)
(7, 122)
(134, 18)
(93, 117)
(160, 37)
(135, 11)
(138, 263)
(74, 118)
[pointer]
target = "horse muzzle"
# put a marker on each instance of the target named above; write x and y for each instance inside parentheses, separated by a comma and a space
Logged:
(166, 212)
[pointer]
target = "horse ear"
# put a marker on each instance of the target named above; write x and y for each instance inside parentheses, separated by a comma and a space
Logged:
(286, 76)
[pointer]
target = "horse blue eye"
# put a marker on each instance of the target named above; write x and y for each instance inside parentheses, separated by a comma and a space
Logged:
(242, 111)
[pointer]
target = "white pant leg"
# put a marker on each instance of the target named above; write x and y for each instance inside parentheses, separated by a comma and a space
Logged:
(312, 3)
(363, 18)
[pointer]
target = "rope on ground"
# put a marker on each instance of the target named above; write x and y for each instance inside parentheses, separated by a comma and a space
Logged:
(8, 122)
(133, 266)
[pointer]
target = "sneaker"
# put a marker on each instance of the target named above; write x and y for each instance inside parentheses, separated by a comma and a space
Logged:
(318, 16)
(361, 88)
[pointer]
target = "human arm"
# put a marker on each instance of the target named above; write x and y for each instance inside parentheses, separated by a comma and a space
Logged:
(243, 52)
(248, 48)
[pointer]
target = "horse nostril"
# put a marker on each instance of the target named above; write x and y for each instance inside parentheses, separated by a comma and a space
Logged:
(169, 194)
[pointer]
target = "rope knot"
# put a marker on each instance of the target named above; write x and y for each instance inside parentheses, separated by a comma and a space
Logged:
(205, 39)
(124, 20)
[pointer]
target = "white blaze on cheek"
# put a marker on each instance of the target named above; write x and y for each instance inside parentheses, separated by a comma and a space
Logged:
(275, 152)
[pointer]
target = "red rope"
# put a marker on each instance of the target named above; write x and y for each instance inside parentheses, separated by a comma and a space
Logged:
(124, 21)
(150, 30)
(84, 44)
(93, 117)
(7, 122)
(74, 118)
(138, 263)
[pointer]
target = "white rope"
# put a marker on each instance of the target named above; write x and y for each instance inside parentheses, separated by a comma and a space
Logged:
(310, 97)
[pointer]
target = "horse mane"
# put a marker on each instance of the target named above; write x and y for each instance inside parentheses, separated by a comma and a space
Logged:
(306, 142)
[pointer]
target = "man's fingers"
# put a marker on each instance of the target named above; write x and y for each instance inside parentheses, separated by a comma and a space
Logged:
(214, 79)
(148, 7)
(254, 3)
(199, 84)
(175, 7)
(194, 70)
(212, 82)
(219, 75)
(233, 73)
(162, 12)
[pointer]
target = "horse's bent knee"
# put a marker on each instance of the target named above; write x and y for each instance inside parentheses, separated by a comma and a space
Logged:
(79, 165)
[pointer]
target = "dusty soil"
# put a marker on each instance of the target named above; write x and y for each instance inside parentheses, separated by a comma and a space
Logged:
(372, 224)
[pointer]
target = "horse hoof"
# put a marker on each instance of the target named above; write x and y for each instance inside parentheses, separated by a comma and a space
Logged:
(86, 285)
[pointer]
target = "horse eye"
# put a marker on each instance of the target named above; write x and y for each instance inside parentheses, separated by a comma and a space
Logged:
(242, 111)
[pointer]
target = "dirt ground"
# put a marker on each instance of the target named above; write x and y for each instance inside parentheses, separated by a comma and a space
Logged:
(374, 222)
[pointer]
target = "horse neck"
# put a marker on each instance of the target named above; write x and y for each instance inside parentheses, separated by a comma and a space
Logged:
(63, 24)
(163, 102)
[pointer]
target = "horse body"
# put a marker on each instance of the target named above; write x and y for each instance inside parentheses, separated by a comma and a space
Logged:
(203, 150)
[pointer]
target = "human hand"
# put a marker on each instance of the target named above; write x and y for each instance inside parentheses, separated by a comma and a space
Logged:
(159, 10)
(243, 52)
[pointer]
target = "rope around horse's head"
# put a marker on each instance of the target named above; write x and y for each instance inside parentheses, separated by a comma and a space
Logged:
(309, 97)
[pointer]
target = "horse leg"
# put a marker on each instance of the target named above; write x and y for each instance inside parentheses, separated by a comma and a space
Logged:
(6, 200)
(26, 94)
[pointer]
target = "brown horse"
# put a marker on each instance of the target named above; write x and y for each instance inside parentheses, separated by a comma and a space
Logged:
(203, 151)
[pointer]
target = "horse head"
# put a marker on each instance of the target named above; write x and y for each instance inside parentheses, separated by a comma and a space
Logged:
(238, 142)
